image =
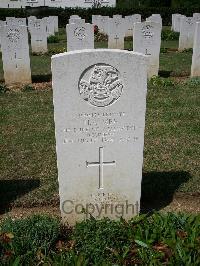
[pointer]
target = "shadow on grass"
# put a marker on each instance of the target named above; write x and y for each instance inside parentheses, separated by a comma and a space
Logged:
(10, 190)
(164, 73)
(158, 189)
(41, 78)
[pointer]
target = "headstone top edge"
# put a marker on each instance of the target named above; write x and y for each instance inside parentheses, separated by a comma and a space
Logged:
(86, 51)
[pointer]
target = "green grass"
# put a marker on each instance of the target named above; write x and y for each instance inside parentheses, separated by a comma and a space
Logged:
(28, 162)
(159, 239)
(28, 170)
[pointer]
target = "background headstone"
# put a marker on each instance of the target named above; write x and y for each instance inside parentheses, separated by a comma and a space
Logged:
(75, 19)
(99, 110)
(187, 29)
(15, 21)
(195, 69)
(196, 17)
(38, 33)
(80, 36)
(50, 26)
(2, 24)
(15, 55)
(155, 18)
(130, 20)
(101, 22)
(147, 40)
(55, 18)
(117, 29)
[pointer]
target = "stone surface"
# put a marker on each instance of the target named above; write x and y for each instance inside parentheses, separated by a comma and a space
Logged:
(50, 26)
(76, 19)
(99, 110)
(117, 29)
(187, 29)
(80, 36)
(195, 69)
(38, 33)
(15, 21)
(155, 18)
(55, 18)
(196, 17)
(15, 55)
(176, 22)
(147, 40)
(2, 24)
(130, 20)
(30, 19)
(101, 22)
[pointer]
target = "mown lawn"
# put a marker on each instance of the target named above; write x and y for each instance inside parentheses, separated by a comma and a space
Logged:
(28, 170)
(28, 173)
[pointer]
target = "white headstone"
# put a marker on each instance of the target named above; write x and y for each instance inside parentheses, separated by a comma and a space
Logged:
(130, 20)
(176, 22)
(155, 18)
(50, 26)
(75, 19)
(80, 36)
(55, 18)
(195, 69)
(147, 40)
(30, 19)
(187, 29)
(196, 17)
(15, 55)
(117, 29)
(101, 22)
(99, 111)
(2, 24)
(15, 21)
(38, 33)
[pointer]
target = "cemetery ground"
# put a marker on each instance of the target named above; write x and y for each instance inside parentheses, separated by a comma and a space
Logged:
(28, 178)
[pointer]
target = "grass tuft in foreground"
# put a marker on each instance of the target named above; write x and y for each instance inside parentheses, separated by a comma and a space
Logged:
(171, 239)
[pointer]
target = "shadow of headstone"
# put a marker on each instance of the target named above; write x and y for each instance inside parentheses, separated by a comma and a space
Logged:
(41, 78)
(164, 73)
(158, 189)
(10, 190)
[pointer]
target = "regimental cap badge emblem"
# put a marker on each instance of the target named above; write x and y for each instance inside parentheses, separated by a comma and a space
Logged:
(147, 31)
(13, 35)
(101, 85)
(80, 33)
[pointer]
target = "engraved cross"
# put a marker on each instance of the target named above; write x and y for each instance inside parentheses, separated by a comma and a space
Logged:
(16, 59)
(100, 164)
(146, 53)
(116, 39)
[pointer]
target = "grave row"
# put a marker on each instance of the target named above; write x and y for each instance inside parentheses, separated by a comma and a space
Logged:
(15, 45)
(99, 101)
(186, 27)
(80, 35)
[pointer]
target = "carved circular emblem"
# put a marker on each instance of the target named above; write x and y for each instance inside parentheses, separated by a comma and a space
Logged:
(36, 25)
(190, 21)
(100, 85)
(147, 31)
(13, 35)
(80, 33)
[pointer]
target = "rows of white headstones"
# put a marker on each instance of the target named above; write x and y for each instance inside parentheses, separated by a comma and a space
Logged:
(146, 35)
(99, 100)
(15, 46)
(99, 110)
(80, 35)
(189, 28)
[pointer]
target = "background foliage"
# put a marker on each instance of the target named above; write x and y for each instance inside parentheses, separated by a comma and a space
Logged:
(125, 10)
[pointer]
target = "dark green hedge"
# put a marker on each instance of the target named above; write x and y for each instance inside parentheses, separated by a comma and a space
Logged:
(64, 14)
